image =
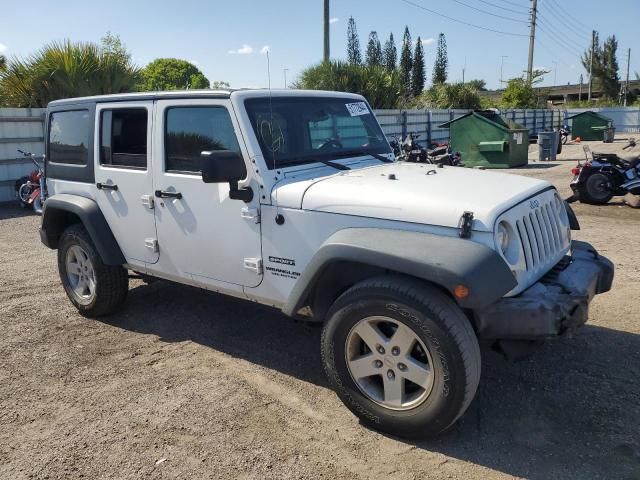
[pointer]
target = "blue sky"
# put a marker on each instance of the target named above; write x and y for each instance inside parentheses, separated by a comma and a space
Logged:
(225, 38)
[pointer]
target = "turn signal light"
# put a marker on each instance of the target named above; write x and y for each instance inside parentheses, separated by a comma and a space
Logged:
(575, 170)
(460, 292)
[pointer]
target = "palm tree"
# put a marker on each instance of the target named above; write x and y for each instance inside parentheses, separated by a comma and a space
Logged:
(374, 82)
(3, 63)
(64, 70)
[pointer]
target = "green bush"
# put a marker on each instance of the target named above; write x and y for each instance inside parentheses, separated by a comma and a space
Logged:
(449, 95)
(171, 74)
(379, 86)
(64, 70)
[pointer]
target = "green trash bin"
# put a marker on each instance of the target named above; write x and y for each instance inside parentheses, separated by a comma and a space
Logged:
(485, 139)
(589, 125)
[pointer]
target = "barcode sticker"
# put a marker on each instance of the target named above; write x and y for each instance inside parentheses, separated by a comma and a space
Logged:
(357, 108)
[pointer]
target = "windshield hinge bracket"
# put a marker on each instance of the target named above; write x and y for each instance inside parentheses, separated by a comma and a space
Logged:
(466, 224)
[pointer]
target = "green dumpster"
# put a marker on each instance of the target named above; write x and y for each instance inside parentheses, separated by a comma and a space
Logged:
(589, 125)
(485, 139)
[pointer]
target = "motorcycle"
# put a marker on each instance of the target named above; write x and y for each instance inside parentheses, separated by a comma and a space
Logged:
(564, 134)
(409, 150)
(30, 190)
(604, 176)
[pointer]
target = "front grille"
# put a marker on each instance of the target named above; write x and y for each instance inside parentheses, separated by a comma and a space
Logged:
(541, 235)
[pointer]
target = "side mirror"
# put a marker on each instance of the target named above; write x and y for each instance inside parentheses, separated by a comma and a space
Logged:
(220, 166)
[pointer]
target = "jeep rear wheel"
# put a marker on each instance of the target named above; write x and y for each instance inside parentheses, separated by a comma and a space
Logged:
(401, 355)
(93, 287)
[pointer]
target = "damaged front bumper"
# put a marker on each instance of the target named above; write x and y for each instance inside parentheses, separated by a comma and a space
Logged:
(557, 303)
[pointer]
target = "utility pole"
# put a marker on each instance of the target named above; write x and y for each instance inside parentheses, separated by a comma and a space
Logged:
(580, 89)
(502, 65)
(326, 31)
(593, 47)
(626, 83)
(555, 72)
(284, 70)
(532, 39)
(463, 69)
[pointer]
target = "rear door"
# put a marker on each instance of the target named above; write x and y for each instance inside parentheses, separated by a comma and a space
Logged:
(124, 176)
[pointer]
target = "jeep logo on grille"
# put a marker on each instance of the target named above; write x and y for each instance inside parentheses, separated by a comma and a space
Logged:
(534, 204)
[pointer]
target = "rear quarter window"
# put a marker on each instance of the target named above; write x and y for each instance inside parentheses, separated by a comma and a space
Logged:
(69, 137)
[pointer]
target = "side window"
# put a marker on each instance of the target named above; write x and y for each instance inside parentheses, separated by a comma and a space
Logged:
(69, 137)
(123, 138)
(192, 130)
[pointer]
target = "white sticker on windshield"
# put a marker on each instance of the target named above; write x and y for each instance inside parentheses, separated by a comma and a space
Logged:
(357, 108)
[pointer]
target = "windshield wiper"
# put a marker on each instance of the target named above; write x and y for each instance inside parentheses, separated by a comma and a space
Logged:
(337, 166)
(353, 153)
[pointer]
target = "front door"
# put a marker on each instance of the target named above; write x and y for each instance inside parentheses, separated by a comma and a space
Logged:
(203, 235)
(123, 176)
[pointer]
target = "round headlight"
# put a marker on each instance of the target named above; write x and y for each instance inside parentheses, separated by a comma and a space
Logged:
(502, 237)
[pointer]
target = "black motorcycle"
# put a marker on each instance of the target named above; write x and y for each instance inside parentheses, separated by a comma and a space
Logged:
(409, 150)
(603, 177)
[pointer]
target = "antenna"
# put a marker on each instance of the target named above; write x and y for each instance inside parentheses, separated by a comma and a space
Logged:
(279, 217)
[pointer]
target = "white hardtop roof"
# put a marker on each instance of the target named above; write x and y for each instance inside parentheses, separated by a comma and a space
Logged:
(173, 94)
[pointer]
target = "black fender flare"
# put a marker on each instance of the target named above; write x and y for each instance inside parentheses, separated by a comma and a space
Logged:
(55, 218)
(446, 261)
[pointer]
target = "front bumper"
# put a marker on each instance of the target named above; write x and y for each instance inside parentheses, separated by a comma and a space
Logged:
(557, 303)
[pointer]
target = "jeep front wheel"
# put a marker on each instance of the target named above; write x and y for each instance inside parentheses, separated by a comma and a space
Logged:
(94, 288)
(401, 355)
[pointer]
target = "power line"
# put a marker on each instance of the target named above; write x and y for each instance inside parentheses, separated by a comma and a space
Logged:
(563, 42)
(515, 4)
(504, 8)
(489, 13)
(561, 8)
(568, 27)
(462, 22)
(559, 40)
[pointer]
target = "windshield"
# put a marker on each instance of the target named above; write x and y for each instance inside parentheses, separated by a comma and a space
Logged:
(298, 130)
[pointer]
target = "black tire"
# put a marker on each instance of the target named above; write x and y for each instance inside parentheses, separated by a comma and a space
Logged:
(438, 322)
(111, 282)
(594, 189)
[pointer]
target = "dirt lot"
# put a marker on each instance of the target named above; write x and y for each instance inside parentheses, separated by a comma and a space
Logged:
(187, 384)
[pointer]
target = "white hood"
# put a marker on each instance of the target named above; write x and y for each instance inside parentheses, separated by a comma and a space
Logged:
(415, 195)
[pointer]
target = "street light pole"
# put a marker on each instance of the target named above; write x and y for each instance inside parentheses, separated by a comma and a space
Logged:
(502, 65)
(284, 70)
(555, 72)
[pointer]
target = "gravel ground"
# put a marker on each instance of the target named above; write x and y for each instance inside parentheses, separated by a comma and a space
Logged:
(188, 384)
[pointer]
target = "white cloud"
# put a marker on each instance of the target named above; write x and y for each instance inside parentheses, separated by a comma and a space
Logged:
(3, 47)
(540, 67)
(428, 41)
(244, 50)
(194, 62)
(264, 50)
(333, 19)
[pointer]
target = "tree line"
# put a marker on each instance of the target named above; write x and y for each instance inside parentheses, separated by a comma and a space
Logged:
(73, 69)
(389, 79)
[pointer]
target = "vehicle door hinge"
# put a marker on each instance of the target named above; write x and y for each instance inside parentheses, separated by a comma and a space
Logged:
(147, 201)
(249, 213)
(466, 224)
(253, 264)
(151, 244)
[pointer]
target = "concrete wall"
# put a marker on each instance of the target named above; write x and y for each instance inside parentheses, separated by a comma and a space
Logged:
(21, 128)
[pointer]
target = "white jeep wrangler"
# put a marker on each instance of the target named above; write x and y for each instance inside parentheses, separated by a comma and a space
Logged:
(292, 199)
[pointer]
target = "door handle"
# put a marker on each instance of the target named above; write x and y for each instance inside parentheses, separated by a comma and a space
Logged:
(106, 186)
(165, 194)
